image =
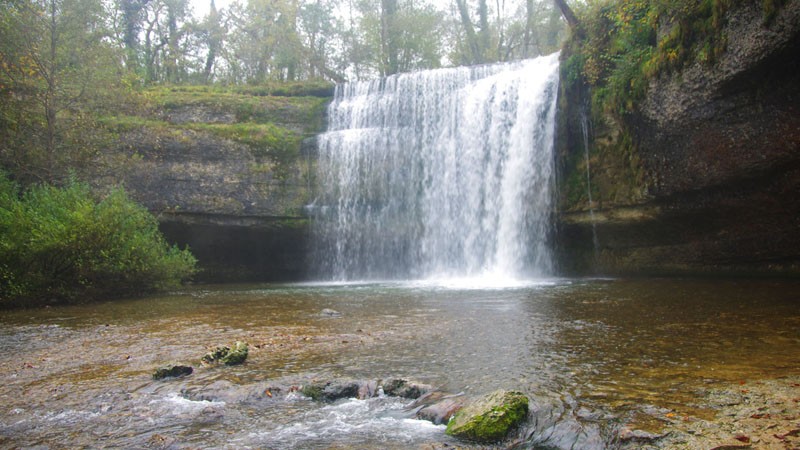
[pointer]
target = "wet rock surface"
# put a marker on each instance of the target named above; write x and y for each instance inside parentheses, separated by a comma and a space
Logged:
(438, 407)
(759, 414)
(698, 179)
(172, 372)
(490, 418)
(406, 389)
(333, 390)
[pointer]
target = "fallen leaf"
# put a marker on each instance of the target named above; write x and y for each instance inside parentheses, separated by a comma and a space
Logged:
(792, 433)
(742, 438)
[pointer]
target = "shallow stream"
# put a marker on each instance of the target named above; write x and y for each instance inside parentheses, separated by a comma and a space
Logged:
(593, 355)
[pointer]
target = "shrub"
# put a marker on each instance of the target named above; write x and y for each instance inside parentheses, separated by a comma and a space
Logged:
(63, 244)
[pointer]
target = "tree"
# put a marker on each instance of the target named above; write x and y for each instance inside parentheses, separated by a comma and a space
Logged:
(214, 34)
(389, 37)
(476, 50)
(566, 11)
(132, 17)
(322, 31)
(55, 68)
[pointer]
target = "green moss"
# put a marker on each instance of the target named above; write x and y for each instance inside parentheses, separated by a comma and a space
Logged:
(124, 123)
(270, 119)
(280, 145)
(227, 355)
(491, 418)
(215, 355)
(312, 391)
(277, 143)
(246, 104)
(237, 355)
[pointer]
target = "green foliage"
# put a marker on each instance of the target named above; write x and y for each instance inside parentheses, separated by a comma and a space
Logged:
(626, 42)
(61, 243)
(57, 69)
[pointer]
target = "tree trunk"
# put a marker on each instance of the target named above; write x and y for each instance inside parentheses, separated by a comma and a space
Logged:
(389, 37)
(485, 38)
(50, 107)
(569, 16)
(472, 38)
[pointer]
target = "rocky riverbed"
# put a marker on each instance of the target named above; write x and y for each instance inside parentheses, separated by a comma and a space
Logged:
(604, 364)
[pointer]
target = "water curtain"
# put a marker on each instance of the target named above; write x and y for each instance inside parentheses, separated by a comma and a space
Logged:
(440, 173)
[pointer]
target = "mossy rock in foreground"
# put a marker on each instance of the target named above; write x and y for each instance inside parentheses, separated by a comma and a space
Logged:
(490, 418)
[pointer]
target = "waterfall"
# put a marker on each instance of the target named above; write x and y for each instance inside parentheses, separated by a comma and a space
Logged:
(440, 173)
(584, 115)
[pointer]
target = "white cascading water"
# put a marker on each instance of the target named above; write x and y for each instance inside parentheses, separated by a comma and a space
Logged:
(437, 174)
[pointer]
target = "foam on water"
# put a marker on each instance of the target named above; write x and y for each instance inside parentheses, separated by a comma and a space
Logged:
(375, 420)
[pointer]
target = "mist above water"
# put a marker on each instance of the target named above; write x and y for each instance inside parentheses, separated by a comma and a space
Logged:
(439, 174)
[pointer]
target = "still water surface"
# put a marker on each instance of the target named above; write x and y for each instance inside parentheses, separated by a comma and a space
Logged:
(593, 355)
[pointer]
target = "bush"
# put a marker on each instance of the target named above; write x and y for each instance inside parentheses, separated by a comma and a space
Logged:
(62, 244)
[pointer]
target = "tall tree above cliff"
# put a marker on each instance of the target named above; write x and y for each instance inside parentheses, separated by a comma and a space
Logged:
(132, 15)
(213, 33)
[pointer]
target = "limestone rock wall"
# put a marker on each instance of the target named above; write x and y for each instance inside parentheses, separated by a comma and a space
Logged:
(228, 174)
(710, 180)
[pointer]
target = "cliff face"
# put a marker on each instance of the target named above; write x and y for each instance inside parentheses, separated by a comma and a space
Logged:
(227, 173)
(704, 175)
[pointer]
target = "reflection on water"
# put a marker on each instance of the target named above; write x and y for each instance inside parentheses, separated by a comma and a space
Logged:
(590, 353)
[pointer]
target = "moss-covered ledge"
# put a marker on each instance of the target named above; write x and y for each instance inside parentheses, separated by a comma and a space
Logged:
(228, 170)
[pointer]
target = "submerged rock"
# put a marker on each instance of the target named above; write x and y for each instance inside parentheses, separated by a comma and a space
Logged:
(234, 393)
(334, 390)
(327, 312)
(626, 434)
(403, 388)
(172, 372)
(439, 407)
(491, 418)
(228, 356)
